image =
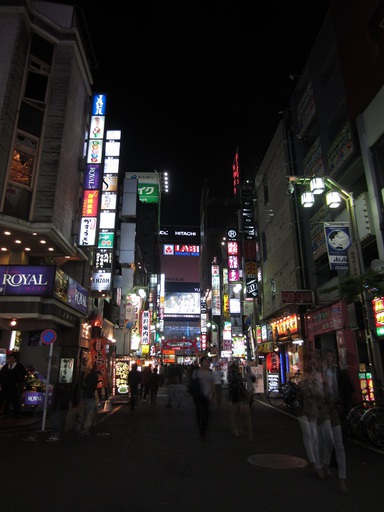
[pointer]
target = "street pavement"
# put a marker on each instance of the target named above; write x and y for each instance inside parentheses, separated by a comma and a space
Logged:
(153, 460)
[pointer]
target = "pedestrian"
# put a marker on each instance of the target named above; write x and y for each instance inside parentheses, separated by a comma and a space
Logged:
(331, 424)
(218, 376)
(134, 378)
(239, 402)
(307, 412)
(204, 398)
(88, 401)
(12, 377)
(171, 380)
(339, 383)
(60, 406)
(144, 381)
(154, 384)
(162, 374)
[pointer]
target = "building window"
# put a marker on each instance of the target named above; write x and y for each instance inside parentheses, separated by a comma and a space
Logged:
(22, 168)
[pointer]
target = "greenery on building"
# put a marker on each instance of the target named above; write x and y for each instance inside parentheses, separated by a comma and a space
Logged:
(352, 287)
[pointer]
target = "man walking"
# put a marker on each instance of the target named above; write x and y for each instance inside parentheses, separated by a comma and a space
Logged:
(12, 376)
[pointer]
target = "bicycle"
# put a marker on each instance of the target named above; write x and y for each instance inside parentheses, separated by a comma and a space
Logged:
(285, 394)
(366, 421)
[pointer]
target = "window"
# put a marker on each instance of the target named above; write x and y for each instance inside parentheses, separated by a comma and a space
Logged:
(22, 168)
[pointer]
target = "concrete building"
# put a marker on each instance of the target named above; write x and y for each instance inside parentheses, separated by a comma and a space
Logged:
(45, 92)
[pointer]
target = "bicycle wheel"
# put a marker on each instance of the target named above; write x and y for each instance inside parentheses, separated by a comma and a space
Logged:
(276, 397)
(373, 424)
(354, 421)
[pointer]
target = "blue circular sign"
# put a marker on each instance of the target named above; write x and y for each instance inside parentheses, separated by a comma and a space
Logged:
(48, 336)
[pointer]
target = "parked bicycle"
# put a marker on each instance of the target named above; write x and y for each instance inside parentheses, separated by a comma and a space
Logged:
(285, 394)
(366, 421)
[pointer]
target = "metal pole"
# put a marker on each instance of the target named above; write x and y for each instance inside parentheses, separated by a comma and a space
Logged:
(363, 295)
(47, 387)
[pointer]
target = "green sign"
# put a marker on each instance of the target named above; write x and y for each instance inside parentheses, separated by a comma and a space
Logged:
(106, 240)
(148, 192)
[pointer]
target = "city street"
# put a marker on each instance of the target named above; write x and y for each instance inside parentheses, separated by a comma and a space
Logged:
(152, 460)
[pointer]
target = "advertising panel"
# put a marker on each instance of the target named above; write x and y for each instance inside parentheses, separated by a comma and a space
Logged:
(87, 234)
(27, 280)
(101, 281)
(92, 177)
(90, 203)
(338, 241)
(378, 313)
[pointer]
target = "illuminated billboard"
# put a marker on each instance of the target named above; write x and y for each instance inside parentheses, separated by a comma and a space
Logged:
(182, 303)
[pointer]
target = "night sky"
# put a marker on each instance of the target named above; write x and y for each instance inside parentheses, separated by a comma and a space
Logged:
(189, 81)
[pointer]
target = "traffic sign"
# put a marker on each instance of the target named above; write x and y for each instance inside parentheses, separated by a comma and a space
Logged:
(48, 336)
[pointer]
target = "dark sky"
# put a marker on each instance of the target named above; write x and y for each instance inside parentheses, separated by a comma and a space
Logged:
(189, 81)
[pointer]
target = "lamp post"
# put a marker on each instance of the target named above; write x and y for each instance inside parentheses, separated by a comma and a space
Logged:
(316, 186)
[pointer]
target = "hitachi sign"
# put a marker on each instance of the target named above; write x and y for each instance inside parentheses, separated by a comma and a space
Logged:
(185, 233)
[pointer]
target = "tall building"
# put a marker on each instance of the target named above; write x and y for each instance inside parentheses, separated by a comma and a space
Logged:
(179, 299)
(319, 202)
(45, 94)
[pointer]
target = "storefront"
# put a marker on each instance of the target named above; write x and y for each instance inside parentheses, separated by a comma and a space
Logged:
(37, 299)
(328, 329)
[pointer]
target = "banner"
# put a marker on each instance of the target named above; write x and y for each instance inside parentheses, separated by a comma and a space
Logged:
(338, 240)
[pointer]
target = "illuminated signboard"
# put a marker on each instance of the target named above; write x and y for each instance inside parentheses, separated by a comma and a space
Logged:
(106, 240)
(97, 127)
(92, 177)
(103, 259)
(95, 152)
(181, 250)
(88, 227)
(110, 183)
(111, 165)
(112, 148)
(90, 203)
(148, 187)
(285, 326)
(233, 248)
(27, 280)
(107, 220)
(108, 201)
(182, 303)
(236, 173)
(215, 277)
(101, 281)
(378, 313)
(145, 327)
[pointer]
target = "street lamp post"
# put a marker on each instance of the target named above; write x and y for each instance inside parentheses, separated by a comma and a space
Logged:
(316, 186)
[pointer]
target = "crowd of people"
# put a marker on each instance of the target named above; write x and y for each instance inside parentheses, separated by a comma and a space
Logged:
(324, 396)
